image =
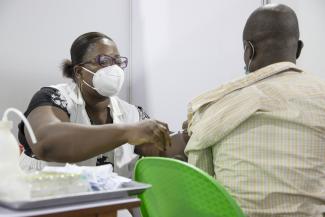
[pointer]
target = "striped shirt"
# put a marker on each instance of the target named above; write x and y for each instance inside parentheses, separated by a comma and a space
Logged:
(263, 138)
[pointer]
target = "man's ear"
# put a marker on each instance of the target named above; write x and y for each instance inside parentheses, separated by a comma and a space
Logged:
(299, 48)
(249, 51)
(252, 51)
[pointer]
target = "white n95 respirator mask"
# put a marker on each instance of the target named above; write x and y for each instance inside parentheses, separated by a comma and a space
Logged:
(107, 81)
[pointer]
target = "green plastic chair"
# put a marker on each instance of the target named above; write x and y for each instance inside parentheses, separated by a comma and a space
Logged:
(181, 190)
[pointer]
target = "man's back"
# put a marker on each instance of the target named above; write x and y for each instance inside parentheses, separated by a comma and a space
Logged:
(273, 163)
(263, 136)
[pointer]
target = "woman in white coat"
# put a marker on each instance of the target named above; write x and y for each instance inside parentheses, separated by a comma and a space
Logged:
(85, 122)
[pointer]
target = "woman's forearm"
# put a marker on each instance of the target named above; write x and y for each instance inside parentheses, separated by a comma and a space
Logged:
(69, 142)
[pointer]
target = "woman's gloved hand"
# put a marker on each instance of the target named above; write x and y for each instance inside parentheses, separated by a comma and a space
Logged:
(149, 132)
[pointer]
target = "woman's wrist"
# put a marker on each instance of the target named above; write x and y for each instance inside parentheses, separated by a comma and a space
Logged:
(127, 131)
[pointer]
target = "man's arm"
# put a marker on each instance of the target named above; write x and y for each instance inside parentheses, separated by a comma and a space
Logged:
(176, 150)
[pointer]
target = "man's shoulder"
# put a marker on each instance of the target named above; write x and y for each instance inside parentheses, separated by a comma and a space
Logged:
(292, 78)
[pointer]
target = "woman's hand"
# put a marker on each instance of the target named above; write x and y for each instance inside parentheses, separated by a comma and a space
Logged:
(149, 132)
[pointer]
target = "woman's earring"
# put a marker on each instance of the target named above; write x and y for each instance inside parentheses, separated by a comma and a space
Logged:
(78, 79)
(80, 84)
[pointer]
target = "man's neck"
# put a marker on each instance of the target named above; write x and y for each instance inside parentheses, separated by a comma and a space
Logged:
(266, 62)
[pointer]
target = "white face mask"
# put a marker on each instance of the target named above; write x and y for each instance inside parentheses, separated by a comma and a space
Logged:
(107, 81)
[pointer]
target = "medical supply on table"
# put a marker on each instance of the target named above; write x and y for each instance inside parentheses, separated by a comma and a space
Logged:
(17, 185)
(100, 178)
(12, 184)
(53, 184)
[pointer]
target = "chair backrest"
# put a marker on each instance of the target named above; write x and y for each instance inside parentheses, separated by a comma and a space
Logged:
(181, 190)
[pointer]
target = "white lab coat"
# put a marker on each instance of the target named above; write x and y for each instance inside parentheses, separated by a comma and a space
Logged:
(121, 112)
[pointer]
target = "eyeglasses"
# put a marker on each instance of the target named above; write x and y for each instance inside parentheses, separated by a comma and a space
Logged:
(105, 60)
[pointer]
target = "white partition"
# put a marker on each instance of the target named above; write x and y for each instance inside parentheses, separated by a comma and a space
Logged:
(183, 48)
(311, 17)
(179, 48)
(36, 36)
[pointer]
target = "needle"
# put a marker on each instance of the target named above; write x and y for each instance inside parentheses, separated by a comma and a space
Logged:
(177, 132)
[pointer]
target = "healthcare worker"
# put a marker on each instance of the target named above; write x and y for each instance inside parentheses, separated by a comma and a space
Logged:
(85, 122)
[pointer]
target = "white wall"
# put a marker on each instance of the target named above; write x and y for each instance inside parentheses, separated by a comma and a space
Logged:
(311, 17)
(183, 48)
(36, 36)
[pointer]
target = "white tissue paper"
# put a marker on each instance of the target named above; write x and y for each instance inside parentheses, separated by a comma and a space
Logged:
(99, 178)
